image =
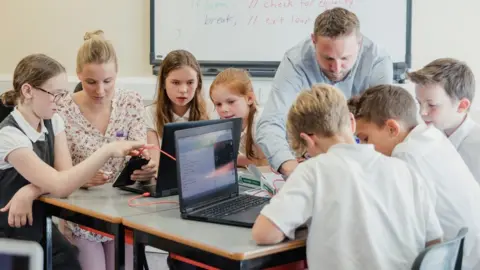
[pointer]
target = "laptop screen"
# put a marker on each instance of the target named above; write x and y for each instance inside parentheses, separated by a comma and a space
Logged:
(14, 262)
(20, 255)
(167, 172)
(207, 167)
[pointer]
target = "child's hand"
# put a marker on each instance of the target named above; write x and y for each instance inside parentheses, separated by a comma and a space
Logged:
(147, 173)
(99, 179)
(126, 148)
(243, 161)
(20, 208)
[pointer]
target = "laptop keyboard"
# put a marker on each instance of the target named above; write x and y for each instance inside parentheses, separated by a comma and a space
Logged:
(230, 207)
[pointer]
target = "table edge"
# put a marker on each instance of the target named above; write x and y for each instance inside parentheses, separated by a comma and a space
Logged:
(272, 249)
(84, 211)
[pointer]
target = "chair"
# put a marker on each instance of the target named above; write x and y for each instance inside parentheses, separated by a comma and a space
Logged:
(4, 110)
(78, 87)
(444, 256)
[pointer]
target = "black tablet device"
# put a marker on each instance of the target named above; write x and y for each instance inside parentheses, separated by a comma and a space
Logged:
(123, 179)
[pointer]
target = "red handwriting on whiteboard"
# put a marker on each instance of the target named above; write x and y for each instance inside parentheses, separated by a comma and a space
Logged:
(275, 21)
(307, 3)
(335, 3)
(300, 20)
(294, 19)
(278, 3)
(273, 4)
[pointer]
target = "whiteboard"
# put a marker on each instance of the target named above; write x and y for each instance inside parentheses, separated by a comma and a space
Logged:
(263, 30)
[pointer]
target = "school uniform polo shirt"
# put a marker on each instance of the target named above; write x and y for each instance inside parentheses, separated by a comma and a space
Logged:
(12, 138)
(151, 119)
(454, 190)
(364, 210)
(16, 133)
(466, 139)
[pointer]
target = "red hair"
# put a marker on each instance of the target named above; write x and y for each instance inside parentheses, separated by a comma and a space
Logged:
(238, 81)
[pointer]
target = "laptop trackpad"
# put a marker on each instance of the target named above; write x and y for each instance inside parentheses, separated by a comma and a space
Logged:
(248, 216)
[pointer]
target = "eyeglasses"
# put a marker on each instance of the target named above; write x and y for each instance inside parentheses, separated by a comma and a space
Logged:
(55, 96)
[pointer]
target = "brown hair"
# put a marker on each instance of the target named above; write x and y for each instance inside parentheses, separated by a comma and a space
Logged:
(336, 22)
(453, 75)
(175, 60)
(238, 81)
(383, 102)
(35, 69)
(322, 111)
(96, 50)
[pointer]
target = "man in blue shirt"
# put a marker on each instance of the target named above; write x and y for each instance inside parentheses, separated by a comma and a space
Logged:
(337, 54)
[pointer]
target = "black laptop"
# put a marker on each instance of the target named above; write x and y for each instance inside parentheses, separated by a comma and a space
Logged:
(167, 172)
(207, 177)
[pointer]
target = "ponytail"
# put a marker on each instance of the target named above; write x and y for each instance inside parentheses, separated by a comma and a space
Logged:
(249, 142)
(9, 98)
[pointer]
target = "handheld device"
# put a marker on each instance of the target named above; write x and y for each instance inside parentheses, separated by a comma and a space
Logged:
(135, 163)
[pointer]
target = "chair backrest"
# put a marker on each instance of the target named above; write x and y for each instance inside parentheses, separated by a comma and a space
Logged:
(78, 87)
(4, 110)
(447, 255)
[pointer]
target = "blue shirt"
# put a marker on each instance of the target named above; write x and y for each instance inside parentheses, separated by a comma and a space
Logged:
(299, 70)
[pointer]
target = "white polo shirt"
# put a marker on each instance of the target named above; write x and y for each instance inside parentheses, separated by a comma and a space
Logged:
(151, 119)
(12, 138)
(457, 201)
(466, 139)
(364, 210)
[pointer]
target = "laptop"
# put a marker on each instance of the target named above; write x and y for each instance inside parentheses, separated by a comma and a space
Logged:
(167, 172)
(207, 178)
(20, 255)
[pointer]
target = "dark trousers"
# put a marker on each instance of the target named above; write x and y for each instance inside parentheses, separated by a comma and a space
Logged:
(64, 254)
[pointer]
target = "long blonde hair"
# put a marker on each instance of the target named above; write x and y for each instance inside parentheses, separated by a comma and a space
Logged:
(238, 81)
(173, 61)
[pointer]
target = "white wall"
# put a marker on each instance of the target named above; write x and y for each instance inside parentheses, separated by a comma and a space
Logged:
(441, 28)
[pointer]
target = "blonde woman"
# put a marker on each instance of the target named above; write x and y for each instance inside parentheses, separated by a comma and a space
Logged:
(98, 114)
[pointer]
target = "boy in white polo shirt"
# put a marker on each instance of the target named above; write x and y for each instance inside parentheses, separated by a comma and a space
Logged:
(387, 118)
(364, 210)
(445, 89)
